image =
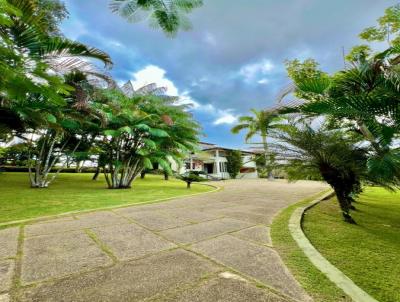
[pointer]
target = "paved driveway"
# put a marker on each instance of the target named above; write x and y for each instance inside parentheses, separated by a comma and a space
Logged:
(212, 247)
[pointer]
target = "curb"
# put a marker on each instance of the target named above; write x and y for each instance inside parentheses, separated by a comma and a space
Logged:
(49, 217)
(329, 270)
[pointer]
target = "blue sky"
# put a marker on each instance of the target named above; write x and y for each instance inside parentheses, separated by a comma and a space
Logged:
(233, 58)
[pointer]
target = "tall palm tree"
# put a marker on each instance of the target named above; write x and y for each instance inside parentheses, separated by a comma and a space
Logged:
(169, 15)
(364, 98)
(260, 123)
(32, 63)
(317, 152)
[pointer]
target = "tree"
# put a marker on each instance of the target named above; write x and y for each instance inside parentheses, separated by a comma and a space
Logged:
(363, 99)
(234, 162)
(54, 12)
(170, 15)
(189, 178)
(260, 123)
(388, 26)
(32, 61)
(138, 133)
(329, 154)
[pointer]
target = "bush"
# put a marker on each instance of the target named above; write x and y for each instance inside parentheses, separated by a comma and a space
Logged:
(234, 163)
(189, 178)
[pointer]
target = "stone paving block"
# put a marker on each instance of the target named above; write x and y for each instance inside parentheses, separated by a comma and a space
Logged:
(57, 255)
(245, 216)
(129, 241)
(190, 215)
(126, 282)
(225, 290)
(4, 298)
(259, 234)
(203, 230)
(8, 242)
(155, 221)
(6, 273)
(83, 221)
(261, 263)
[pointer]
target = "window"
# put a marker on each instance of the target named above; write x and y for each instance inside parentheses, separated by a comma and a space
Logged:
(193, 166)
(187, 166)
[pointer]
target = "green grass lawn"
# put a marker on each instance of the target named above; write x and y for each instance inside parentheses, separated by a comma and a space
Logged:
(73, 192)
(369, 252)
(313, 281)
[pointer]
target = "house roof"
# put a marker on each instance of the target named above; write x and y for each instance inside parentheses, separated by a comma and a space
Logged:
(227, 149)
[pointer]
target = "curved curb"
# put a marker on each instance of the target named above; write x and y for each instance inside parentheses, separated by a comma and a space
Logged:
(49, 217)
(329, 270)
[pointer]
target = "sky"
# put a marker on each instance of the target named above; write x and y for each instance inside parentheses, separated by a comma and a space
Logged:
(233, 58)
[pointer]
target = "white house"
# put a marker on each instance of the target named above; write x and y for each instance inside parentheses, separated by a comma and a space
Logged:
(211, 159)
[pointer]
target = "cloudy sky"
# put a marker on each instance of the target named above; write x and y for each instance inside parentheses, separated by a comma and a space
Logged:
(233, 58)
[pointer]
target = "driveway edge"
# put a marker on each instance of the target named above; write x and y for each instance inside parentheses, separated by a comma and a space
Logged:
(330, 271)
(49, 217)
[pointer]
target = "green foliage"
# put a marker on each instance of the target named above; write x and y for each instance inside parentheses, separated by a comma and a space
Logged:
(170, 16)
(328, 154)
(358, 53)
(16, 155)
(261, 123)
(54, 12)
(388, 26)
(189, 178)
(137, 135)
(362, 99)
(234, 162)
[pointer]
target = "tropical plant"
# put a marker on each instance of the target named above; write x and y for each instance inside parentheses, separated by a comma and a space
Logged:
(169, 15)
(363, 99)
(189, 178)
(261, 123)
(318, 152)
(142, 130)
(234, 162)
(54, 12)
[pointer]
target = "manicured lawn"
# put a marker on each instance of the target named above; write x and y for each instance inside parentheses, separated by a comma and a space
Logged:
(72, 192)
(313, 281)
(369, 252)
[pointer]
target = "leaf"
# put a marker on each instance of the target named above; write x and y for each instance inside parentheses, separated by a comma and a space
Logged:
(113, 133)
(125, 129)
(149, 143)
(142, 127)
(70, 124)
(158, 132)
(51, 118)
(147, 164)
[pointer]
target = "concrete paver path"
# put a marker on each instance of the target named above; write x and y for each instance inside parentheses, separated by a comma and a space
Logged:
(211, 247)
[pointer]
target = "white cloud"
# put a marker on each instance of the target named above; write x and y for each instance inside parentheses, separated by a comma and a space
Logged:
(263, 81)
(253, 72)
(227, 118)
(154, 74)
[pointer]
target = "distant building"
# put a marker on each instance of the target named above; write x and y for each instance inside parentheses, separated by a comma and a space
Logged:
(211, 159)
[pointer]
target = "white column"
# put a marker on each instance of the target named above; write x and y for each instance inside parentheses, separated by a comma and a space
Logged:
(217, 162)
(191, 163)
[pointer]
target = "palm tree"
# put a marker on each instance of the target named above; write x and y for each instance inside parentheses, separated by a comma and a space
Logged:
(33, 62)
(142, 130)
(363, 98)
(169, 15)
(337, 158)
(260, 123)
